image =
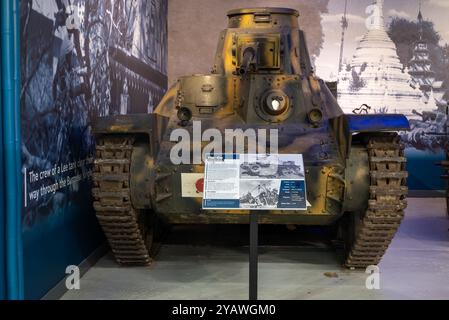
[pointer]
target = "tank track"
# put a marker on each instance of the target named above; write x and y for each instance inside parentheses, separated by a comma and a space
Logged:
(125, 227)
(375, 229)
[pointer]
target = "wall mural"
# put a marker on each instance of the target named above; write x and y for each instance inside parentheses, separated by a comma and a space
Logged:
(82, 59)
(392, 56)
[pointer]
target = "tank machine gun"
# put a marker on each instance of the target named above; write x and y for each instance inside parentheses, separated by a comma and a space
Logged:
(248, 59)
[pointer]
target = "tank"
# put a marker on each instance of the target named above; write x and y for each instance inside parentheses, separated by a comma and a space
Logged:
(262, 78)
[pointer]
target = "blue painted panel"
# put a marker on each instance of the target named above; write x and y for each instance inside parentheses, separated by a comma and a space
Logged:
(11, 159)
(65, 238)
(2, 201)
(377, 122)
(221, 203)
(2, 244)
(423, 173)
(292, 194)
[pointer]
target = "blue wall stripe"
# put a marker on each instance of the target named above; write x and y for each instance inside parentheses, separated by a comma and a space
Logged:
(18, 142)
(10, 131)
(2, 200)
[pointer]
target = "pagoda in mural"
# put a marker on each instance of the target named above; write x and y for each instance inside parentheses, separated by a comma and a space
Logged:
(375, 77)
(420, 68)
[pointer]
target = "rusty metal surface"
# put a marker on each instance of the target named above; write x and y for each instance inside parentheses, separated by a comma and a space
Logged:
(131, 123)
(125, 228)
(374, 230)
(357, 179)
(140, 170)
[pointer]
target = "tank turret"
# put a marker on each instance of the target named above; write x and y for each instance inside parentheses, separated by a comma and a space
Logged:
(266, 40)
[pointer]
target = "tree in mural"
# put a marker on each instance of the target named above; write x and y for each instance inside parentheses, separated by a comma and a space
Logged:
(405, 34)
(311, 17)
(428, 131)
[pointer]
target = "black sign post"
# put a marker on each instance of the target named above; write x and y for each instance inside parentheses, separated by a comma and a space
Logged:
(253, 254)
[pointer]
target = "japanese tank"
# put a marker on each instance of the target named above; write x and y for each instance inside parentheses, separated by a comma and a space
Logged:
(262, 79)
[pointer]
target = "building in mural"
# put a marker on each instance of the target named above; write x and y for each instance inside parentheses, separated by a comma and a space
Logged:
(138, 68)
(375, 80)
(423, 75)
(428, 130)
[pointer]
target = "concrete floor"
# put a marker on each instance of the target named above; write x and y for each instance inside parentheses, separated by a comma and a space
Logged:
(213, 264)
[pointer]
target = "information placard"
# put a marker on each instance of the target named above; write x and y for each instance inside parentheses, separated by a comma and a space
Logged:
(255, 182)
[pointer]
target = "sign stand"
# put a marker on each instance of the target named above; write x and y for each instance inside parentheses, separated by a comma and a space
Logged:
(253, 254)
(258, 182)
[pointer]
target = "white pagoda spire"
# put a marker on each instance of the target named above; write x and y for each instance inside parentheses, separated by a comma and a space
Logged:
(344, 27)
(378, 16)
(376, 76)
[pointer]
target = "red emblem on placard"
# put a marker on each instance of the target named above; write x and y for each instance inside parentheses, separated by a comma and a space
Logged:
(199, 184)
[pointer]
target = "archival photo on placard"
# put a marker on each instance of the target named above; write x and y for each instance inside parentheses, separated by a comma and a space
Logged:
(259, 193)
(290, 166)
(278, 166)
(255, 181)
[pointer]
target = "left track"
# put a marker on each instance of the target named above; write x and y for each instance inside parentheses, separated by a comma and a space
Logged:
(125, 227)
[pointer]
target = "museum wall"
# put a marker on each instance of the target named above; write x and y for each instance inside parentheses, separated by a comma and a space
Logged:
(78, 62)
(83, 59)
(194, 26)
